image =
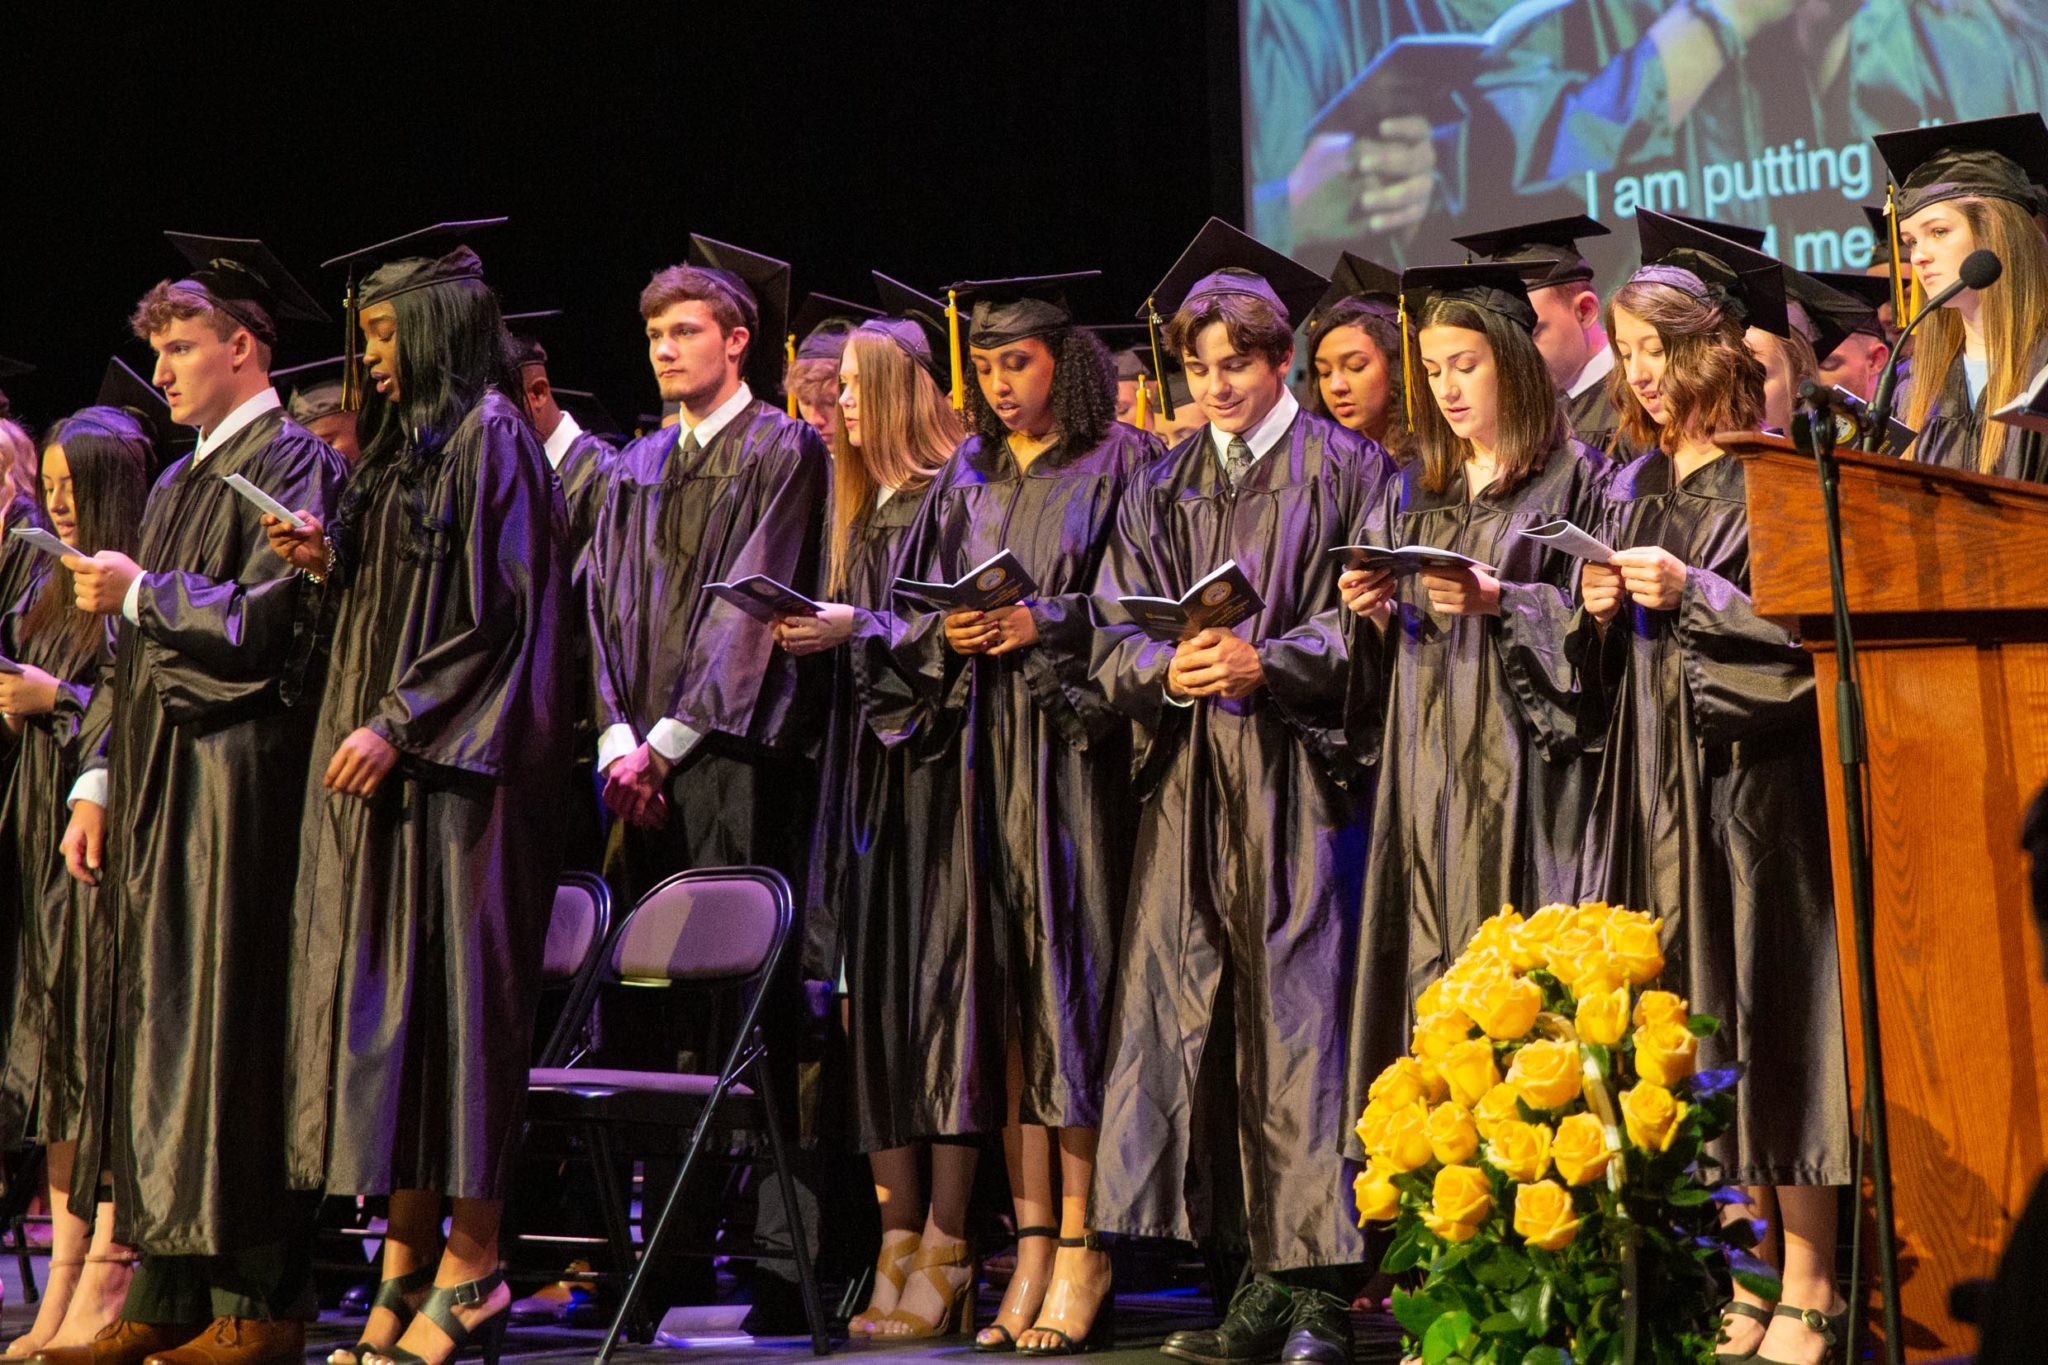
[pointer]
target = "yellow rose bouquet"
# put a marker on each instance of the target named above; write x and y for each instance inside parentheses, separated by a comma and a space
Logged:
(1540, 1153)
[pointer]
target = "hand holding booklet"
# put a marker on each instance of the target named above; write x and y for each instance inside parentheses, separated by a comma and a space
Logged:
(998, 581)
(762, 598)
(1562, 536)
(1403, 560)
(1220, 600)
(37, 538)
(263, 501)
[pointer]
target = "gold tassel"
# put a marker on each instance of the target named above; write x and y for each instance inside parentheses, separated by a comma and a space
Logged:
(1141, 414)
(1900, 317)
(953, 347)
(351, 352)
(1407, 370)
(789, 354)
(1158, 366)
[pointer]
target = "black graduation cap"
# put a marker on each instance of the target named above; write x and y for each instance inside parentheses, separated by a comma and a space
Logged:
(1880, 229)
(1127, 349)
(1872, 292)
(1357, 278)
(928, 339)
(395, 267)
(760, 286)
(241, 278)
(822, 323)
(1987, 158)
(1003, 311)
(1825, 315)
(14, 369)
(1727, 269)
(1546, 253)
(315, 395)
(1751, 237)
(1495, 286)
(525, 343)
(1224, 260)
(589, 411)
(123, 388)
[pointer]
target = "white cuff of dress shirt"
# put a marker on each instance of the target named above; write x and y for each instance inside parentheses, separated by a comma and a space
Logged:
(672, 739)
(614, 744)
(90, 786)
(131, 602)
(1176, 698)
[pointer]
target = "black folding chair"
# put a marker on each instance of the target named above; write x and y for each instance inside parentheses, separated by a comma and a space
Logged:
(723, 930)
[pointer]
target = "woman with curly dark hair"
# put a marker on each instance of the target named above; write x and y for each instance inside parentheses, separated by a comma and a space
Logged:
(1355, 355)
(1017, 1042)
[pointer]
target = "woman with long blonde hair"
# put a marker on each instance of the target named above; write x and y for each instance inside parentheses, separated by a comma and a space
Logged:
(1708, 809)
(1966, 187)
(888, 811)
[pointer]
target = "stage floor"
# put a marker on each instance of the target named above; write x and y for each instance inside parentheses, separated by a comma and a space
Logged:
(1143, 1321)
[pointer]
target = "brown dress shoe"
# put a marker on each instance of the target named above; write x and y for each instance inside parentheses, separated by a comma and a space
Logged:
(240, 1341)
(122, 1342)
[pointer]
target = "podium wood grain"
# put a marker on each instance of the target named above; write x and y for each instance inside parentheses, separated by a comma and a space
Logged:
(1948, 587)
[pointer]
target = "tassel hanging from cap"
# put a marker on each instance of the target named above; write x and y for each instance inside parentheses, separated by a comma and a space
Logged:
(1141, 412)
(351, 352)
(953, 350)
(1158, 366)
(789, 355)
(1407, 368)
(1900, 316)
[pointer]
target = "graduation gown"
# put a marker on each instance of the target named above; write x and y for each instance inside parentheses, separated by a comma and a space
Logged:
(420, 915)
(582, 464)
(1026, 954)
(751, 501)
(1482, 783)
(883, 846)
(1595, 422)
(205, 733)
(1248, 864)
(21, 569)
(1953, 433)
(44, 1072)
(1709, 811)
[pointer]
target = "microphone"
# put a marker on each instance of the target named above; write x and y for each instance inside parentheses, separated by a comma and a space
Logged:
(1980, 270)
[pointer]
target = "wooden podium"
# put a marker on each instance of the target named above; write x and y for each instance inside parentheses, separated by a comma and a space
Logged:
(1947, 579)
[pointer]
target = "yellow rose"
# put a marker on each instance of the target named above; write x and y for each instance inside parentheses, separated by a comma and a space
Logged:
(1544, 1215)
(1546, 1073)
(1505, 1009)
(1602, 1017)
(1469, 1069)
(1401, 1143)
(1652, 1115)
(1599, 971)
(1431, 1002)
(1461, 1199)
(1378, 1201)
(1529, 945)
(1401, 1083)
(1640, 948)
(1568, 948)
(1500, 1104)
(1661, 1007)
(1521, 1150)
(1453, 1137)
(1436, 1034)
(1666, 1053)
(1580, 1149)
(1617, 917)
(1497, 934)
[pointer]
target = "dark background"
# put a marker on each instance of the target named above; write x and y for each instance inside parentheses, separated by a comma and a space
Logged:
(930, 142)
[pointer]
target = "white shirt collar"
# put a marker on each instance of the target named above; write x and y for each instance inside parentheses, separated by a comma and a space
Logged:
(708, 429)
(559, 440)
(1266, 434)
(231, 425)
(1597, 369)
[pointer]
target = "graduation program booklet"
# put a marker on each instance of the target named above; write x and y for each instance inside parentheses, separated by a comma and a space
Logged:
(762, 598)
(1568, 539)
(263, 501)
(1221, 599)
(998, 581)
(2029, 411)
(42, 540)
(1403, 560)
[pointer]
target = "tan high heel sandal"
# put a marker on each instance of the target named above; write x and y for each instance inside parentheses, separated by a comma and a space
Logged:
(893, 1267)
(958, 1313)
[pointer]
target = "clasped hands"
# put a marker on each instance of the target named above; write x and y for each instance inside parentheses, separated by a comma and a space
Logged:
(1215, 663)
(1649, 576)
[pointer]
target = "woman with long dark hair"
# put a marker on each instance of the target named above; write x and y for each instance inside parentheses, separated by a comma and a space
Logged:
(1708, 811)
(1965, 187)
(1017, 1042)
(1355, 355)
(94, 477)
(1456, 679)
(889, 817)
(426, 868)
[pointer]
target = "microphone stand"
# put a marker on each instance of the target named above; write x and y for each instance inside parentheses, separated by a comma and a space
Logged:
(1851, 744)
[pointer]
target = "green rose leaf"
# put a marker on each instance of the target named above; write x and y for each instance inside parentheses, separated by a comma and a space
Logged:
(1545, 1355)
(1450, 1335)
(1415, 1312)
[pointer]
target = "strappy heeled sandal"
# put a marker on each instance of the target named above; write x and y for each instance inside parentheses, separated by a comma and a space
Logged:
(1009, 1339)
(1101, 1328)
(391, 1296)
(892, 1266)
(957, 1314)
(439, 1309)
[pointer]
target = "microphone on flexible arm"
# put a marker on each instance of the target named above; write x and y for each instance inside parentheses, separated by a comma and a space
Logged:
(1980, 270)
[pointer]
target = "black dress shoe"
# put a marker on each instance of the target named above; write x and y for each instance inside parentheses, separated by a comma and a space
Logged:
(1253, 1331)
(1321, 1330)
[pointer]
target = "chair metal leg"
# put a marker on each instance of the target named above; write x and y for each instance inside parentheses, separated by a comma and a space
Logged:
(650, 1245)
(618, 1216)
(814, 1309)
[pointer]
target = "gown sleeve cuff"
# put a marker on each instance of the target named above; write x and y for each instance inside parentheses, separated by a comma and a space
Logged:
(131, 601)
(90, 786)
(672, 739)
(614, 744)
